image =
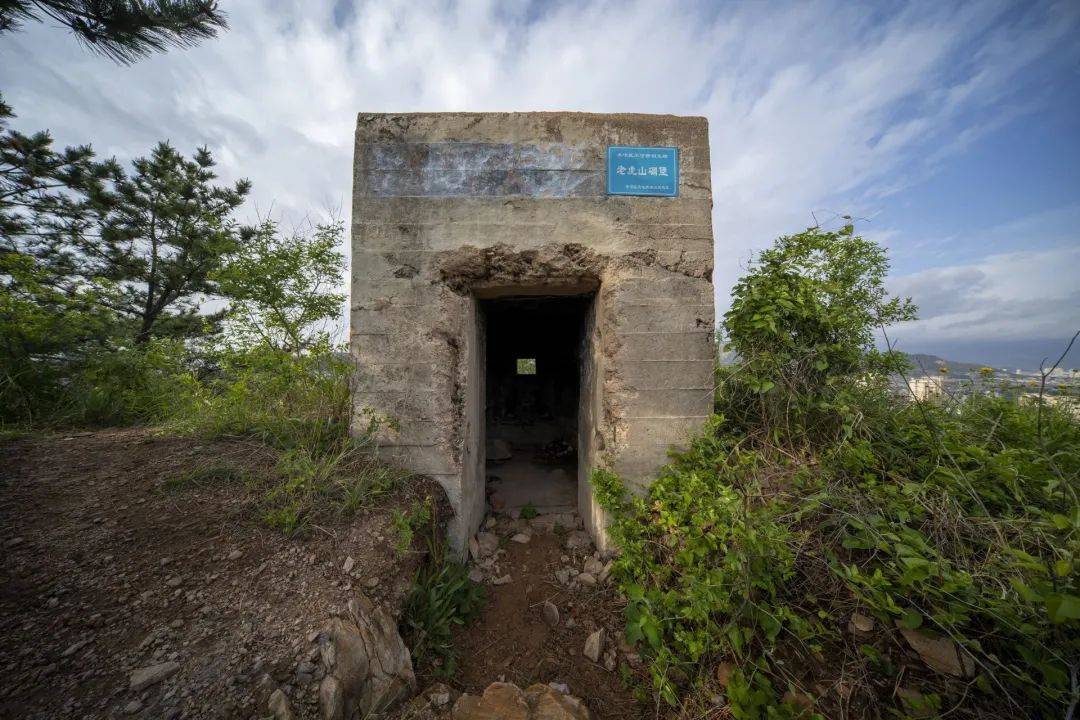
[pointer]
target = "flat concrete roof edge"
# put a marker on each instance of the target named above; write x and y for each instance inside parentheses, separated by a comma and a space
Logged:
(363, 118)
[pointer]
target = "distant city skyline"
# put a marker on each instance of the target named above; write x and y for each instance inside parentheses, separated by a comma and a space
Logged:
(950, 132)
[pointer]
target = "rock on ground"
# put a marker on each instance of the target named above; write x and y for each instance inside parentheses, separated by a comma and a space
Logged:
(578, 540)
(506, 701)
(860, 624)
(487, 543)
(594, 645)
(551, 614)
(369, 668)
(940, 653)
(152, 675)
(279, 706)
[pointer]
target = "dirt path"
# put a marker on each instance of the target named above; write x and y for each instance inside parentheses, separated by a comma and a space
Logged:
(514, 642)
(114, 561)
(106, 570)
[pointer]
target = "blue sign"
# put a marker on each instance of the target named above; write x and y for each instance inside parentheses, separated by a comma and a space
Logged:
(643, 171)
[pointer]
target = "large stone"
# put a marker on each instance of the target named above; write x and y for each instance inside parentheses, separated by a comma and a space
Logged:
(547, 703)
(940, 653)
(152, 675)
(500, 701)
(368, 667)
(506, 701)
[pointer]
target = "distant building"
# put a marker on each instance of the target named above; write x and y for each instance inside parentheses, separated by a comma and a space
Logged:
(926, 387)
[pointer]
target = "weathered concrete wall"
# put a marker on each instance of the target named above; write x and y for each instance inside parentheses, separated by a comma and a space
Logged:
(448, 207)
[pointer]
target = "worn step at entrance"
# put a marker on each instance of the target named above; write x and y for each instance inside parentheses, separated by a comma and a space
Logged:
(519, 484)
(502, 292)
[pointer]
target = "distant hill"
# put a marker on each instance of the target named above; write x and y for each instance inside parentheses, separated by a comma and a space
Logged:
(1008, 354)
(929, 364)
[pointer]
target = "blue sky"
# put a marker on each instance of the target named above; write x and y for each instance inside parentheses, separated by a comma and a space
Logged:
(953, 130)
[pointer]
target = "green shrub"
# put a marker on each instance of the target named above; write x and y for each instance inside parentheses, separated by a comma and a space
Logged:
(704, 569)
(107, 386)
(965, 523)
(814, 493)
(283, 399)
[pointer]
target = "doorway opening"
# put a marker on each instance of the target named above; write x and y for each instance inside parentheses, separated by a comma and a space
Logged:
(532, 387)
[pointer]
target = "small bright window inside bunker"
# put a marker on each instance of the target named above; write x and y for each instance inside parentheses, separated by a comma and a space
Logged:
(533, 369)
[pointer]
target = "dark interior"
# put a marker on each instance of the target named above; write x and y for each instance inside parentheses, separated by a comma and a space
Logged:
(533, 417)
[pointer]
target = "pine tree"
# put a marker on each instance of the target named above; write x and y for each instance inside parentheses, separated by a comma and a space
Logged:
(167, 232)
(124, 30)
(45, 192)
(50, 201)
(47, 317)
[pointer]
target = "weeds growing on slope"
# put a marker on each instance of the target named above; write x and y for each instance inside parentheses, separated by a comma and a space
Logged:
(442, 599)
(299, 405)
(815, 498)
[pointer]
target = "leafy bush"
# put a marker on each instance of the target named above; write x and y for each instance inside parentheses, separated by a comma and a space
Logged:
(128, 385)
(101, 387)
(814, 494)
(704, 566)
(802, 323)
(965, 524)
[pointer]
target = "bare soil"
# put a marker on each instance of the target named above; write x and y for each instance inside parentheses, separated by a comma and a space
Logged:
(108, 568)
(114, 560)
(512, 642)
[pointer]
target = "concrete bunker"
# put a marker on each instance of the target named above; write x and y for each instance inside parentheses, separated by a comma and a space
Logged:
(484, 239)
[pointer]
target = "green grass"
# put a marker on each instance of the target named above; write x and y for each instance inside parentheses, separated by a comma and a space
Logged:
(442, 600)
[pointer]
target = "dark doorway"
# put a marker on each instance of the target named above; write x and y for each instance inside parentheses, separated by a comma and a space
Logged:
(533, 378)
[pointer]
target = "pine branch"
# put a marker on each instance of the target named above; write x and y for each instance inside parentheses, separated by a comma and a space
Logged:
(122, 30)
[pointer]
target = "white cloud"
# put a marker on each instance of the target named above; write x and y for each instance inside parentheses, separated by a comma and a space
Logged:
(811, 105)
(1022, 295)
